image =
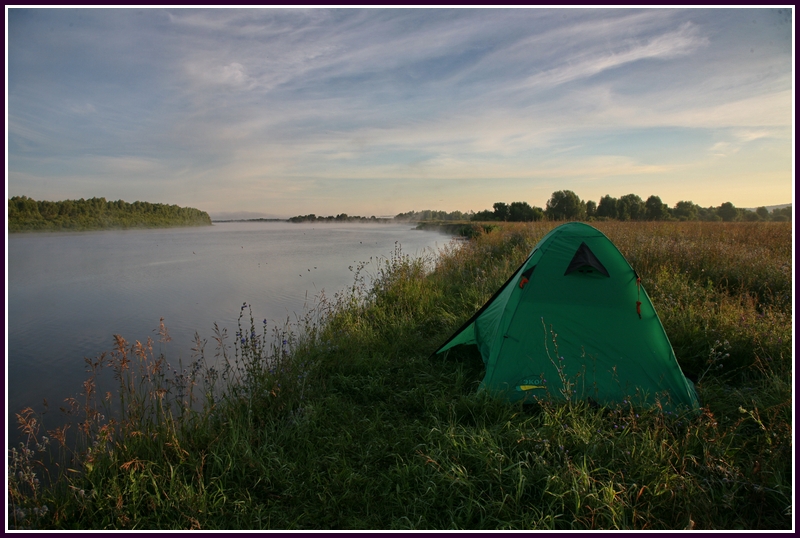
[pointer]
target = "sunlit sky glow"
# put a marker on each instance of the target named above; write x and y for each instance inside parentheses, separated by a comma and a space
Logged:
(274, 112)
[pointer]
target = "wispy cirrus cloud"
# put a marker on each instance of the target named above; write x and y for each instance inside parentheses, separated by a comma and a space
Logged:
(668, 45)
(301, 102)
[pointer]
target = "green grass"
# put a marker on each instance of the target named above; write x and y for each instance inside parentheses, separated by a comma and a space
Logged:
(344, 421)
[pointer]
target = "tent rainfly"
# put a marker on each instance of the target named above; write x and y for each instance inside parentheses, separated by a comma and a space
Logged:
(576, 311)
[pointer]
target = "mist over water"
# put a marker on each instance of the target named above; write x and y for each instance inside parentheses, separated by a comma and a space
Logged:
(69, 293)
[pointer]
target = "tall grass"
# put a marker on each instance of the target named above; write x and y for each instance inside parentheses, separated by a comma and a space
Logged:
(343, 420)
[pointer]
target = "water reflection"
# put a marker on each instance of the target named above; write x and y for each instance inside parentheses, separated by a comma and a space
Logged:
(69, 293)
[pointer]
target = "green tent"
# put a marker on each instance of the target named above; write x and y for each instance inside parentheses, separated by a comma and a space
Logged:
(574, 319)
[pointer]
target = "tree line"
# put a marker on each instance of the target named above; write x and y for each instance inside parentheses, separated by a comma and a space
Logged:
(430, 214)
(566, 205)
(410, 216)
(26, 214)
(341, 217)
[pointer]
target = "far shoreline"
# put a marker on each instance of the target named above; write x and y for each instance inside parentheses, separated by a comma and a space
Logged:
(324, 220)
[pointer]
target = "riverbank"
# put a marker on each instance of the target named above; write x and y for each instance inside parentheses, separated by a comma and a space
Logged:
(463, 228)
(28, 215)
(345, 421)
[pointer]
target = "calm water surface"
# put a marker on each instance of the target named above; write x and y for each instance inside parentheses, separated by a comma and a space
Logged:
(69, 293)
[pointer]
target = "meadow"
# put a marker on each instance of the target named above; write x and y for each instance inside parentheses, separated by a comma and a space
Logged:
(344, 420)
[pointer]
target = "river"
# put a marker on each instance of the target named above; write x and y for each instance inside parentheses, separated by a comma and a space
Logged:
(69, 293)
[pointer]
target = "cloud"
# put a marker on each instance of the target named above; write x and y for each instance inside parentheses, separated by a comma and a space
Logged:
(748, 135)
(767, 110)
(86, 108)
(739, 139)
(237, 106)
(721, 149)
(666, 46)
(233, 74)
(135, 166)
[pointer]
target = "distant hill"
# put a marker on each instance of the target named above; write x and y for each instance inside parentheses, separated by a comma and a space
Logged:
(769, 207)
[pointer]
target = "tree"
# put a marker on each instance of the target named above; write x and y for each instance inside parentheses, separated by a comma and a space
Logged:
(748, 216)
(482, 216)
(763, 213)
(520, 212)
(685, 210)
(630, 207)
(97, 213)
(708, 214)
(727, 212)
(655, 209)
(501, 211)
(591, 209)
(782, 214)
(607, 207)
(565, 205)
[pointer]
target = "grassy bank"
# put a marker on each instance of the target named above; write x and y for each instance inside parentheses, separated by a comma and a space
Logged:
(344, 421)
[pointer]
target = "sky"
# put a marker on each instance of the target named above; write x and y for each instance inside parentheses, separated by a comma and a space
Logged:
(282, 112)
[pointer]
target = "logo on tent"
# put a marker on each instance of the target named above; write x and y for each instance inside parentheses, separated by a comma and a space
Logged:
(531, 384)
